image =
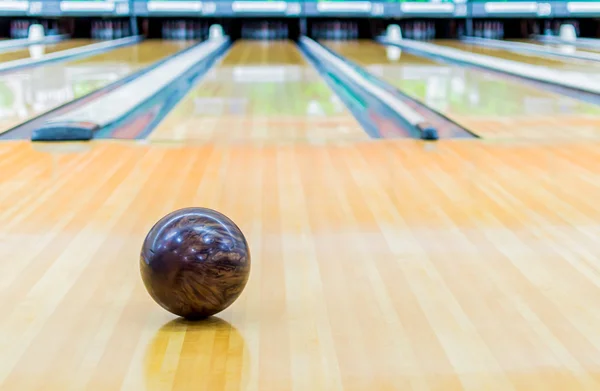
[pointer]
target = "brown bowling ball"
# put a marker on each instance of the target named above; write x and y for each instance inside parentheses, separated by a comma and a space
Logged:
(195, 262)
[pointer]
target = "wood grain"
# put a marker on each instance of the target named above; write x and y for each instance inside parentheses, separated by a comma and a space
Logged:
(377, 265)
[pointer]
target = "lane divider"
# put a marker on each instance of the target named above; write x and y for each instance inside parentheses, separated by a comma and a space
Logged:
(425, 129)
(564, 78)
(69, 53)
(529, 48)
(82, 123)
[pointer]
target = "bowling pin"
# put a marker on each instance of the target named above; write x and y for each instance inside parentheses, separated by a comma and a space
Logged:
(189, 30)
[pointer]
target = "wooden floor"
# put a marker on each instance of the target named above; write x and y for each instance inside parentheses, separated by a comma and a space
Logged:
(377, 265)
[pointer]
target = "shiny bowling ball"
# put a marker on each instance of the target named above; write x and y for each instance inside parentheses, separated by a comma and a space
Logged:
(195, 262)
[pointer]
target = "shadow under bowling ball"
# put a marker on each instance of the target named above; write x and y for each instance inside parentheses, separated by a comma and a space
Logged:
(196, 355)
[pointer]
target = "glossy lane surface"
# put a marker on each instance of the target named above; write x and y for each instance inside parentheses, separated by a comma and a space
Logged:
(260, 92)
(30, 92)
(376, 265)
(489, 105)
(34, 51)
(562, 47)
(590, 68)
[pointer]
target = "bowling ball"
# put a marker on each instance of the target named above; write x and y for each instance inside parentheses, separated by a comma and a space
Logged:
(195, 262)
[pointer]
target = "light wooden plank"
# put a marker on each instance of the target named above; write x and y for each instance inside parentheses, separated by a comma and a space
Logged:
(460, 265)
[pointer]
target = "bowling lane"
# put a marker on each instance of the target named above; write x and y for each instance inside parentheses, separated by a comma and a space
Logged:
(380, 266)
(489, 105)
(260, 92)
(30, 92)
(567, 65)
(571, 49)
(27, 52)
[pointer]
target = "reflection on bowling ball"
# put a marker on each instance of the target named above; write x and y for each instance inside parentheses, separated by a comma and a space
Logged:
(195, 262)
